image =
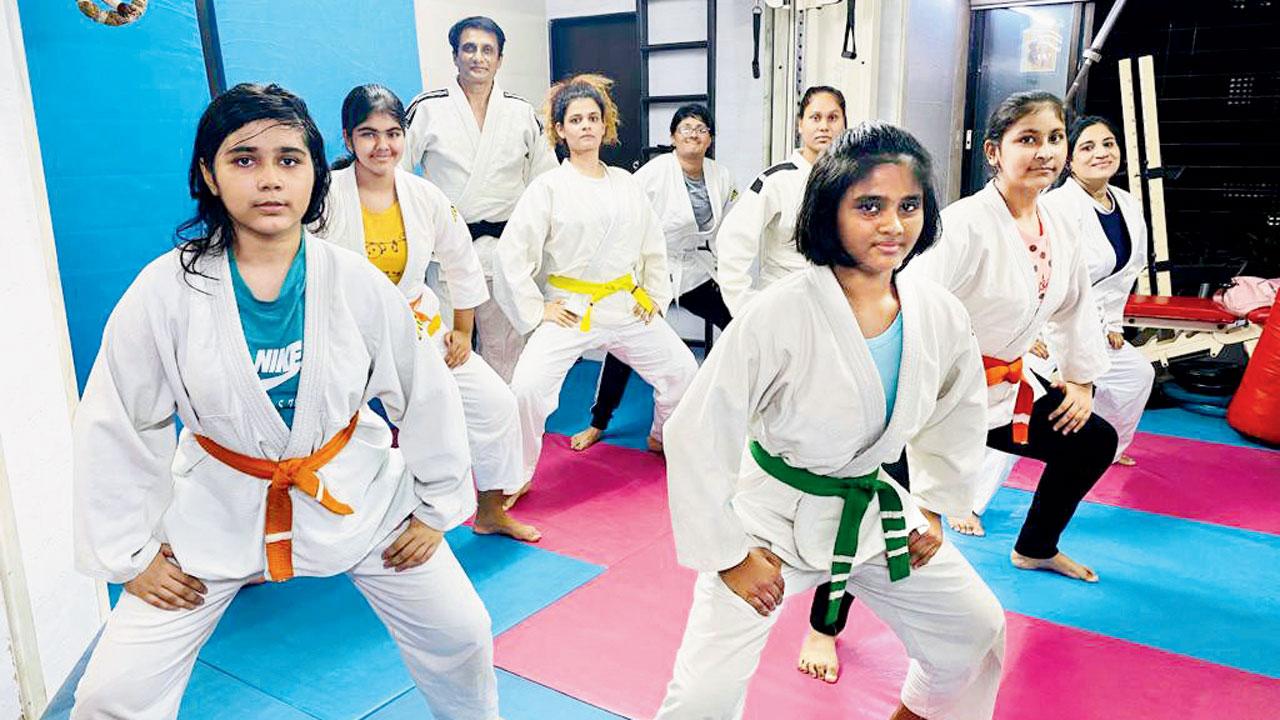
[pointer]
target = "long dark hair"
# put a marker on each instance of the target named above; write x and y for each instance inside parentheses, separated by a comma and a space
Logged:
(851, 157)
(1073, 138)
(360, 103)
(210, 231)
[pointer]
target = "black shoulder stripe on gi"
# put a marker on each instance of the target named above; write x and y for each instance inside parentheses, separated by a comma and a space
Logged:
(514, 96)
(758, 185)
(429, 95)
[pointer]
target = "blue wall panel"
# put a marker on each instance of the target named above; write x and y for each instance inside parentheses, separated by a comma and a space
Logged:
(320, 49)
(116, 110)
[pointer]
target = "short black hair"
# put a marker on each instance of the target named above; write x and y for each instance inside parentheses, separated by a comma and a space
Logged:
(849, 159)
(816, 90)
(478, 22)
(694, 110)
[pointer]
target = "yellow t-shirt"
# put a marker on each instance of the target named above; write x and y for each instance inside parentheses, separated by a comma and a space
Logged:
(384, 240)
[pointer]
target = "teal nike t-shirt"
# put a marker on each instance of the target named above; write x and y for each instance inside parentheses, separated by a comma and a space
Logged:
(273, 330)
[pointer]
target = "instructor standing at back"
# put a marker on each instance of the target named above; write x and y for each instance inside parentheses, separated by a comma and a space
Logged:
(481, 146)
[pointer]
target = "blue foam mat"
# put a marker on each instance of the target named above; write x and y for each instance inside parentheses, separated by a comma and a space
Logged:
(1186, 424)
(211, 693)
(1207, 591)
(325, 634)
(631, 421)
(215, 694)
(336, 640)
(521, 699)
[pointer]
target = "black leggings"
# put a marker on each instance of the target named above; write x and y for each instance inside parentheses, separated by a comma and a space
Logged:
(1073, 464)
(703, 301)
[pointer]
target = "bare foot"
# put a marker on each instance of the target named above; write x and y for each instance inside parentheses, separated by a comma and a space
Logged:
(904, 713)
(510, 500)
(655, 445)
(1059, 563)
(971, 525)
(818, 657)
(586, 438)
(492, 518)
(1126, 461)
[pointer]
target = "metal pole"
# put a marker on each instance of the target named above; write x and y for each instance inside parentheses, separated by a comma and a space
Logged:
(1094, 53)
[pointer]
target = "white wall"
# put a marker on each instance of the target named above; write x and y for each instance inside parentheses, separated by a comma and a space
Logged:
(9, 706)
(909, 71)
(741, 120)
(526, 64)
(576, 8)
(35, 385)
(938, 32)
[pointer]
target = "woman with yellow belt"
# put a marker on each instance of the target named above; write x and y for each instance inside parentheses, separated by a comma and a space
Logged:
(582, 265)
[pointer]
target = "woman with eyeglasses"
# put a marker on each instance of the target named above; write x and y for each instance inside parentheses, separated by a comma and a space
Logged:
(690, 192)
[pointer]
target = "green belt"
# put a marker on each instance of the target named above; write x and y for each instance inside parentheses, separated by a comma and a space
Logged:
(857, 493)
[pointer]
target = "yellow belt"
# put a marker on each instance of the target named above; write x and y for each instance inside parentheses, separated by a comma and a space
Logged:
(430, 323)
(599, 291)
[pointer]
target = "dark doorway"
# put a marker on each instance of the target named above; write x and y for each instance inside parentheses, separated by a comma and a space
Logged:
(605, 44)
(1013, 49)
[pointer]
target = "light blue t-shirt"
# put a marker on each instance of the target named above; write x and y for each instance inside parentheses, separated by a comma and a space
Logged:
(273, 330)
(886, 352)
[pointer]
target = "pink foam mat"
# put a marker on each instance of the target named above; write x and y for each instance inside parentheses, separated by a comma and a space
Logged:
(1208, 482)
(612, 643)
(599, 505)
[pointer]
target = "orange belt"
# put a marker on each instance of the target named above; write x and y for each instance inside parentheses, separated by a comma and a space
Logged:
(1000, 371)
(293, 472)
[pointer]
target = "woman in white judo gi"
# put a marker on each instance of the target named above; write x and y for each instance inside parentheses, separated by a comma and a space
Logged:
(583, 265)
(690, 192)
(827, 375)
(268, 345)
(759, 230)
(1018, 267)
(401, 222)
(1114, 238)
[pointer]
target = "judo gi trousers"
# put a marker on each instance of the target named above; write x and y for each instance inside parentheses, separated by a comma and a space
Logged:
(144, 658)
(654, 350)
(704, 301)
(493, 427)
(1123, 391)
(948, 619)
(499, 342)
